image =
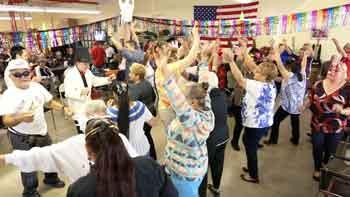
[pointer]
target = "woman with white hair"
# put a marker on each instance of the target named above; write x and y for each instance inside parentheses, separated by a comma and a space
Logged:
(216, 143)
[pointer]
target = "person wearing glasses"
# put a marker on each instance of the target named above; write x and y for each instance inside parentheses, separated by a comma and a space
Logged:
(28, 97)
(329, 104)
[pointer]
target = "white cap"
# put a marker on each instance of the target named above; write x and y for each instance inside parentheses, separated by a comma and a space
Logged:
(17, 64)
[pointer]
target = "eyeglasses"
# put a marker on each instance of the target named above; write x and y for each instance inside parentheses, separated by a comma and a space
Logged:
(19, 75)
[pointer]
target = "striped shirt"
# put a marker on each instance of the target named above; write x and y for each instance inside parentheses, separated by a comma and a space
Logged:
(138, 115)
(186, 153)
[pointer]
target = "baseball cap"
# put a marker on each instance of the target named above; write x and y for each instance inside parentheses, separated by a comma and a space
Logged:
(17, 64)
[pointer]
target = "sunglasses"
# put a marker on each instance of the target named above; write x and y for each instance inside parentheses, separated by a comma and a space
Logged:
(21, 74)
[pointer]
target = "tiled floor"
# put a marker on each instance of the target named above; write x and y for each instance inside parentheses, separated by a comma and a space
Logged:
(285, 170)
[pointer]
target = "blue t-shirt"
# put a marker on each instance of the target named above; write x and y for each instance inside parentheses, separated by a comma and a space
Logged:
(258, 104)
(292, 93)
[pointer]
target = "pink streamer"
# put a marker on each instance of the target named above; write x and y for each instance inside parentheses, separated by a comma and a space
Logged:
(284, 23)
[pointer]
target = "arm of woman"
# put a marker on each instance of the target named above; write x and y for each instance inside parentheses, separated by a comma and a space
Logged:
(237, 74)
(284, 72)
(339, 49)
(192, 55)
(304, 61)
(152, 122)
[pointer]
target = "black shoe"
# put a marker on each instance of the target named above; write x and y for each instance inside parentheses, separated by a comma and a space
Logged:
(56, 184)
(260, 146)
(294, 142)
(249, 179)
(235, 146)
(245, 169)
(34, 194)
(316, 178)
(216, 192)
(268, 142)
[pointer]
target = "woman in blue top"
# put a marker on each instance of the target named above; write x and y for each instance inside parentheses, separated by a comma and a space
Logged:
(257, 105)
(292, 96)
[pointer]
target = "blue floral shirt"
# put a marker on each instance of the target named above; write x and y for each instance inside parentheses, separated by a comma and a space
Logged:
(258, 104)
(293, 93)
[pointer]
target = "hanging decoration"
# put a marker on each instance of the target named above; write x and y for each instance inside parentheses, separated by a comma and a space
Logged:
(273, 25)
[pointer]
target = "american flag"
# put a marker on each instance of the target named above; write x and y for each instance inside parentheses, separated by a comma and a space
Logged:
(250, 11)
(225, 13)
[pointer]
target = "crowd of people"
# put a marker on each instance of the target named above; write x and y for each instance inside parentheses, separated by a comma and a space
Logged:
(192, 87)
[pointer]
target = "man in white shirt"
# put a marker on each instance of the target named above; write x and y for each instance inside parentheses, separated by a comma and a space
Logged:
(78, 84)
(28, 97)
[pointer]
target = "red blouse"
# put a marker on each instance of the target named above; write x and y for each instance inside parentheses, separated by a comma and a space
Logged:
(324, 119)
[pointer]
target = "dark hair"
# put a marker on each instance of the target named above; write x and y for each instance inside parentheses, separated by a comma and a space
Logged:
(16, 50)
(295, 68)
(122, 99)
(115, 171)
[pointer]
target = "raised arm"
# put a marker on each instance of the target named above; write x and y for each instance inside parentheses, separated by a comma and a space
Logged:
(284, 72)
(339, 48)
(237, 74)
(189, 118)
(133, 34)
(114, 38)
(192, 55)
(247, 60)
(304, 61)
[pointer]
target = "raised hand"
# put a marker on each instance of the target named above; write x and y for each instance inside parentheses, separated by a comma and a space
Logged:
(227, 55)
(195, 31)
(243, 42)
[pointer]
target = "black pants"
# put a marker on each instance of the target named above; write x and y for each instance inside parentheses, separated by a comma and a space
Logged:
(30, 180)
(251, 140)
(152, 151)
(216, 156)
(323, 146)
(238, 125)
(279, 116)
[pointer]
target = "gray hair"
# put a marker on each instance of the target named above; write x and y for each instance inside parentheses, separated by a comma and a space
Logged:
(95, 106)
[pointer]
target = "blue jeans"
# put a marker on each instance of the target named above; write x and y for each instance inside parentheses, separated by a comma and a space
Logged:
(323, 146)
(251, 138)
(186, 188)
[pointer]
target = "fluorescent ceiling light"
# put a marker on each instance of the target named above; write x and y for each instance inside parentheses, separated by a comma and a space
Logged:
(6, 18)
(15, 8)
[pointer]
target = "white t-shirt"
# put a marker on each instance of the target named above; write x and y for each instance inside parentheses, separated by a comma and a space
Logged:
(15, 100)
(109, 52)
(258, 104)
(138, 115)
